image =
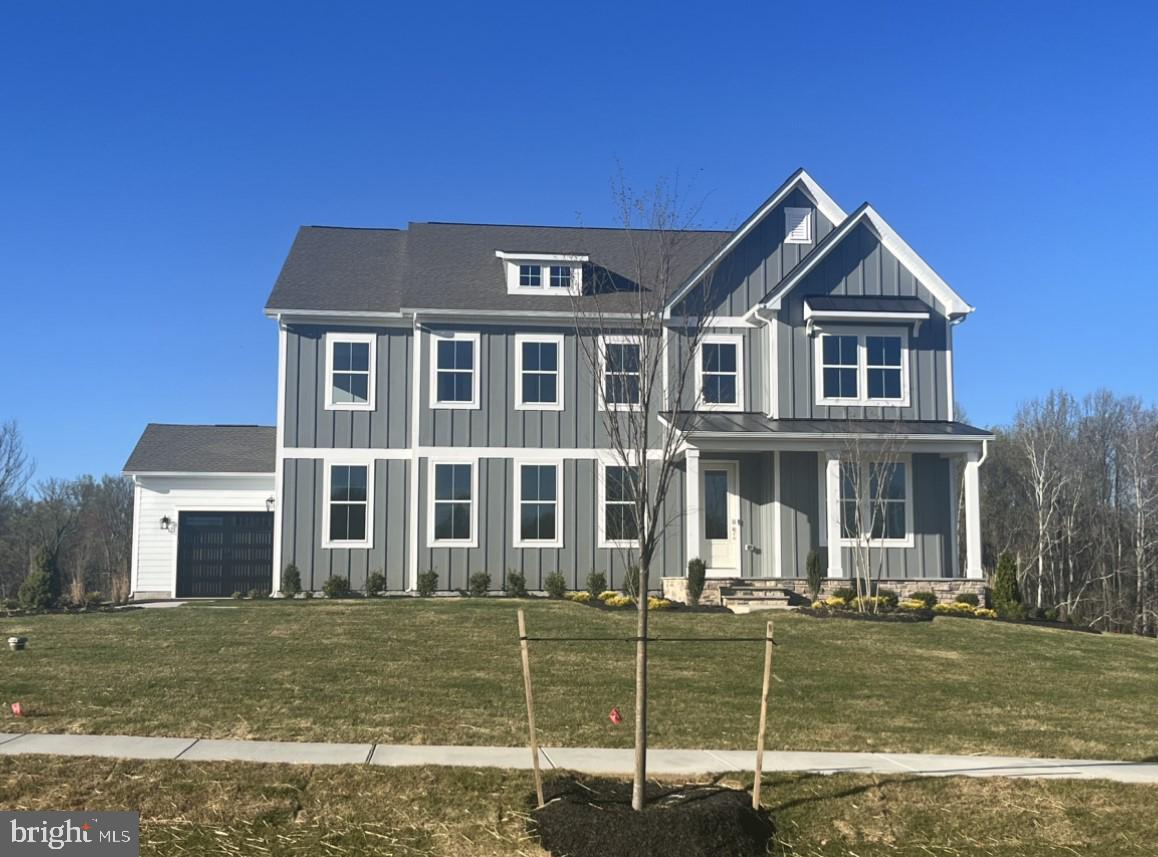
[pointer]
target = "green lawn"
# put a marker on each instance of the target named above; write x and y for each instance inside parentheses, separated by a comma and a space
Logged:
(441, 671)
(235, 809)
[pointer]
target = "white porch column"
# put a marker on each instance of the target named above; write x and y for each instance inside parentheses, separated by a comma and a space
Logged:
(832, 518)
(692, 504)
(973, 567)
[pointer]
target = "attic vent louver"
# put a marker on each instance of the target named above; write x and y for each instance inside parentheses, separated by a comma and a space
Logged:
(798, 225)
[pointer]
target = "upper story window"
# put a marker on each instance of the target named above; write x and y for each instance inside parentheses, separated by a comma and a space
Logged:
(454, 370)
(350, 361)
(874, 502)
(538, 372)
(618, 489)
(620, 370)
(865, 367)
(797, 225)
(538, 522)
(348, 490)
(452, 504)
(720, 372)
(543, 273)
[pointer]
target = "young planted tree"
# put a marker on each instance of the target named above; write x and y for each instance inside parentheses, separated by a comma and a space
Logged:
(872, 504)
(642, 363)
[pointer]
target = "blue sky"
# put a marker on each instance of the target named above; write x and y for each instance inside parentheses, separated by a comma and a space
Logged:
(156, 159)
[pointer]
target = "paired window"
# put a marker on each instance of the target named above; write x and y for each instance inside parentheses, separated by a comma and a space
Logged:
(720, 372)
(620, 487)
(454, 370)
(874, 501)
(538, 377)
(350, 371)
(452, 514)
(348, 493)
(621, 373)
(557, 276)
(543, 273)
(538, 522)
(862, 368)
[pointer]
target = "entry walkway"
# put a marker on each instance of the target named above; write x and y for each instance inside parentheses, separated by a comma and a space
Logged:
(582, 759)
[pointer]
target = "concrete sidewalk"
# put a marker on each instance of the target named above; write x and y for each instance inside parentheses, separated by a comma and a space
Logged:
(583, 759)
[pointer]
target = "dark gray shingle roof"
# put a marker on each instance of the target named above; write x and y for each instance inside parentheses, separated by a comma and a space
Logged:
(204, 449)
(866, 303)
(453, 265)
(755, 423)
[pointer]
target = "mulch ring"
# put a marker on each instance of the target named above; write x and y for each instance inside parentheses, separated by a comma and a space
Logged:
(897, 616)
(593, 818)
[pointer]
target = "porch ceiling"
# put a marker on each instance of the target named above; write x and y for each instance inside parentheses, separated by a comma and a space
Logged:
(718, 424)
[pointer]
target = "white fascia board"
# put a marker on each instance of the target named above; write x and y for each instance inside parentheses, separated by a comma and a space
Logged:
(289, 316)
(141, 474)
(542, 257)
(955, 305)
(824, 203)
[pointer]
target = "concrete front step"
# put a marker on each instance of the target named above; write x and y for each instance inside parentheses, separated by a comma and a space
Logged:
(751, 605)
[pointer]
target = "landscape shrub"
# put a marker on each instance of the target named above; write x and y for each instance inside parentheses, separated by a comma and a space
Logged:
(596, 583)
(375, 583)
(814, 573)
(656, 603)
(36, 591)
(697, 572)
(255, 594)
(555, 584)
(955, 608)
(968, 598)
(888, 597)
(912, 604)
(985, 613)
(291, 581)
(1051, 614)
(866, 602)
(929, 599)
(844, 593)
(582, 596)
(427, 583)
(836, 602)
(516, 585)
(479, 584)
(1006, 594)
(607, 593)
(618, 599)
(336, 587)
(631, 581)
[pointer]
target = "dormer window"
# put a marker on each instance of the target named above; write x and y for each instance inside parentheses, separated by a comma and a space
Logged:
(542, 273)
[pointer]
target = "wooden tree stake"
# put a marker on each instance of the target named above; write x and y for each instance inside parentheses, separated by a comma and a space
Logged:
(763, 717)
(531, 706)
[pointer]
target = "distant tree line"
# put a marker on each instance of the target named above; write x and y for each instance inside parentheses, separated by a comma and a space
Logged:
(1070, 492)
(74, 533)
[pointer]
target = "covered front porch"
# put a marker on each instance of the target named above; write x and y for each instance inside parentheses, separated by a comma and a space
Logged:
(761, 495)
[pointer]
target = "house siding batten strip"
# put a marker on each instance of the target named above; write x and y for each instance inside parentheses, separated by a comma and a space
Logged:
(416, 351)
(279, 468)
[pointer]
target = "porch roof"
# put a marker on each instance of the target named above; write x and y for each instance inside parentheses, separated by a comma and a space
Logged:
(752, 424)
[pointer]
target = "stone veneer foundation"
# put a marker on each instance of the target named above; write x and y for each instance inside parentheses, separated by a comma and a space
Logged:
(945, 588)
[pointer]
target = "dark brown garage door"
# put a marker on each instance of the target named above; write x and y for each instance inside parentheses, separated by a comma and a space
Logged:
(219, 553)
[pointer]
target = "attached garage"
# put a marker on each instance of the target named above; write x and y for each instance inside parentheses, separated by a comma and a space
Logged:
(203, 514)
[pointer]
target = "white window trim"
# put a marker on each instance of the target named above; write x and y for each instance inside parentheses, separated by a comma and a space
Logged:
(327, 542)
(332, 339)
(909, 540)
(517, 493)
(476, 373)
(557, 340)
(601, 510)
(512, 261)
(601, 356)
(720, 339)
(862, 399)
(431, 541)
(793, 214)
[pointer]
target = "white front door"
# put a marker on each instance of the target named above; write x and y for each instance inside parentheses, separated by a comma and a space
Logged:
(720, 521)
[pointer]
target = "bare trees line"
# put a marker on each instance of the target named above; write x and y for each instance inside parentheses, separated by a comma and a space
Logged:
(1071, 490)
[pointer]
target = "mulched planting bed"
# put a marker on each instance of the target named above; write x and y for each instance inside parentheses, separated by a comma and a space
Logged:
(907, 616)
(594, 818)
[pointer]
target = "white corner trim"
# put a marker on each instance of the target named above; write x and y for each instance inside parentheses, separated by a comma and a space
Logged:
(560, 371)
(862, 398)
(824, 203)
(473, 337)
(278, 465)
(416, 352)
(737, 340)
(517, 493)
(327, 542)
(431, 541)
(134, 576)
(332, 338)
(777, 527)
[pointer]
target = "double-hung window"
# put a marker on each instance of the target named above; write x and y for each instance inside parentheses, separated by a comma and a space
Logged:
(875, 502)
(453, 506)
(862, 368)
(530, 276)
(538, 522)
(543, 273)
(720, 373)
(538, 372)
(350, 371)
(621, 372)
(454, 369)
(620, 486)
(561, 276)
(348, 497)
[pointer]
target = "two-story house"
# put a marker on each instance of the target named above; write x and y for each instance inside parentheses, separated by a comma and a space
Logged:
(435, 411)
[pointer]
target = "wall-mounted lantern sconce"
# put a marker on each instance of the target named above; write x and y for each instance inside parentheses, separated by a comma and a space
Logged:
(167, 524)
(269, 503)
